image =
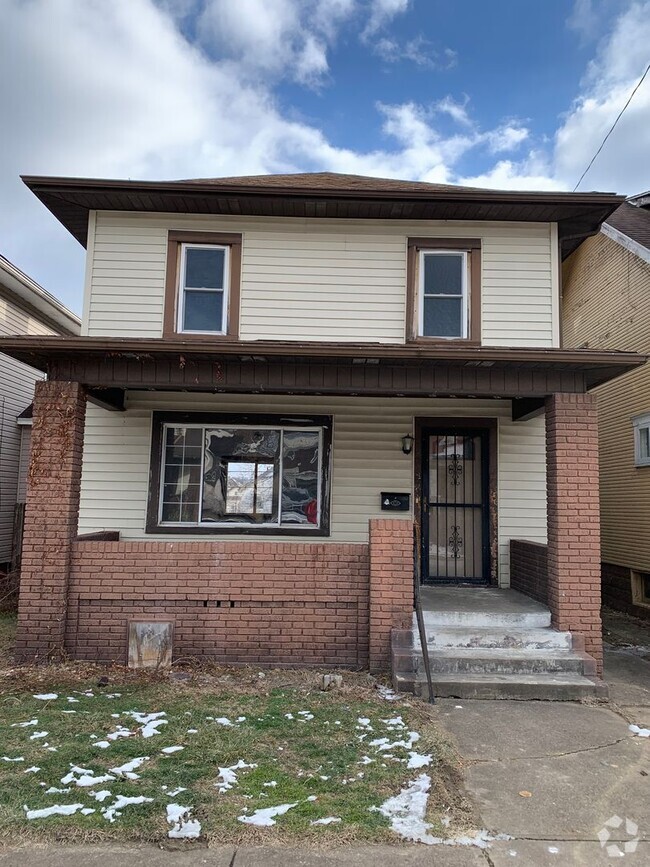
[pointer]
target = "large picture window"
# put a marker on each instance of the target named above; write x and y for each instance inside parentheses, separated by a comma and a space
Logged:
(239, 474)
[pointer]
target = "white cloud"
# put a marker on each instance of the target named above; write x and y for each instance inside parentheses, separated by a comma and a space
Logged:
(419, 51)
(382, 13)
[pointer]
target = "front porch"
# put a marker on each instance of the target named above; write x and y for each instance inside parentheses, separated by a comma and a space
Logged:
(102, 551)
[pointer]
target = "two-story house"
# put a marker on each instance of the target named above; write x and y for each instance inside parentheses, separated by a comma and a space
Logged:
(606, 305)
(25, 308)
(277, 378)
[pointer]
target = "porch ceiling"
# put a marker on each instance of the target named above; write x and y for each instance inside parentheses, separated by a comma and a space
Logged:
(318, 368)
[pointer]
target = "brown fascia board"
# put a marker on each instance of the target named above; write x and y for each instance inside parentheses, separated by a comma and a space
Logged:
(71, 199)
(52, 346)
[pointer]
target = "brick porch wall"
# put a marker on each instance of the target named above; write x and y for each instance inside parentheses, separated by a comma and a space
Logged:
(529, 569)
(391, 585)
(574, 517)
(234, 602)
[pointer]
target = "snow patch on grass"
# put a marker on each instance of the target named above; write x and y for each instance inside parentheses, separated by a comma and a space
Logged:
(120, 802)
(228, 778)
(184, 826)
(46, 696)
(639, 732)
(266, 817)
(56, 810)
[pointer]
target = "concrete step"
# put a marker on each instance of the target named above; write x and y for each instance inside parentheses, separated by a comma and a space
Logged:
(497, 661)
(536, 618)
(522, 638)
(540, 687)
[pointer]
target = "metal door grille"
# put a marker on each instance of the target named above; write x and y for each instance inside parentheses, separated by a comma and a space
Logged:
(455, 519)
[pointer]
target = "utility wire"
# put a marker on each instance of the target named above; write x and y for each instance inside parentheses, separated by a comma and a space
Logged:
(613, 126)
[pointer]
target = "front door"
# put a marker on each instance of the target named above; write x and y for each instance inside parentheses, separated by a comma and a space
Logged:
(455, 506)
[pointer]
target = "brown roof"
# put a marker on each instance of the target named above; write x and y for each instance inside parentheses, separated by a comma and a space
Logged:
(321, 194)
(633, 222)
(332, 182)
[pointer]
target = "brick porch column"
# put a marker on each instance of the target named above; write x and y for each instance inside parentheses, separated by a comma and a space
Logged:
(574, 518)
(51, 514)
(391, 585)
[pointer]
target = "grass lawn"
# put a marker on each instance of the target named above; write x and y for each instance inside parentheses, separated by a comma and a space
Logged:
(303, 746)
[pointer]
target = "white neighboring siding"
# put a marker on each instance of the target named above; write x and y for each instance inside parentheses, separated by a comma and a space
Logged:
(367, 459)
(23, 461)
(16, 393)
(317, 279)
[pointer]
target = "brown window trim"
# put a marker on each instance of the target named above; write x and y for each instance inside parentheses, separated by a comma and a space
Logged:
(174, 242)
(159, 419)
(468, 245)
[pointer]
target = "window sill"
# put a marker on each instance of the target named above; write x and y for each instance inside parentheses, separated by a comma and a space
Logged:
(444, 341)
(199, 336)
(237, 531)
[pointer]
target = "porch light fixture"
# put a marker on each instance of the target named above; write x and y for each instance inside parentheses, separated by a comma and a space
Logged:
(407, 444)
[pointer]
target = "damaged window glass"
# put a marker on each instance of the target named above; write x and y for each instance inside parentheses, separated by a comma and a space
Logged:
(241, 476)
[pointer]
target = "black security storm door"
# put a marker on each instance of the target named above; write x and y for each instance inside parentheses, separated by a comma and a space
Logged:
(455, 506)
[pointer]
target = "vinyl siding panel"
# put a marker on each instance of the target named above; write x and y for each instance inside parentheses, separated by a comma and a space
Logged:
(23, 462)
(330, 280)
(16, 393)
(367, 459)
(607, 306)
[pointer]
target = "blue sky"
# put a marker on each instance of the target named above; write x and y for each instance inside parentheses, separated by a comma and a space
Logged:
(510, 94)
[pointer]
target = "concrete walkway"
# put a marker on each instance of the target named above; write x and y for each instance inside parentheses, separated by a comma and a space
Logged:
(549, 774)
(552, 774)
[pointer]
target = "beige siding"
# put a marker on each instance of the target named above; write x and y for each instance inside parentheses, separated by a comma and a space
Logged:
(607, 306)
(367, 459)
(16, 393)
(320, 279)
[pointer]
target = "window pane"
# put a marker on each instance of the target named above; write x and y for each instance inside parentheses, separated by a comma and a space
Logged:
(240, 480)
(181, 481)
(644, 443)
(443, 274)
(204, 268)
(203, 311)
(300, 477)
(249, 488)
(442, 317)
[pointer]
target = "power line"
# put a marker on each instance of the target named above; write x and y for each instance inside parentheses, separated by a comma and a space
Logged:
(620, 115)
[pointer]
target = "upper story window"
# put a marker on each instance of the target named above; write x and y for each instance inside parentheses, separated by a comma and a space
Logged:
(202, 286)
(642, 440)
(444, 289)
(223, 473)
(203, 289)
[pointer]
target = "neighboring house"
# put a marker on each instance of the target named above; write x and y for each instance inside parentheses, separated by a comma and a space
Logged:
(277, 376)
(25, 308)
(607, 306)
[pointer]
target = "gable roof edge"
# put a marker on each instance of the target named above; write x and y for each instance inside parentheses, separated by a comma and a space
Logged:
(625, 241)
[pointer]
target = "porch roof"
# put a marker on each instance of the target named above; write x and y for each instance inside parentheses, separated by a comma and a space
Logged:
(318, 367)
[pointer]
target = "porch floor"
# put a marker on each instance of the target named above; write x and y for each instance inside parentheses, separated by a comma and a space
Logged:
(479, 600)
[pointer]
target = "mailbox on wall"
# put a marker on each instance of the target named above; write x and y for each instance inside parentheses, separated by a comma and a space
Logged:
(392, 502)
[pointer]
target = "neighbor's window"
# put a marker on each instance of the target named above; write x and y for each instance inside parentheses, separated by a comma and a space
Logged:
(202, 285)
(641, 588)
(443, 289)
(242, 476)
(642, 440)
(203, 290)
(443, 293)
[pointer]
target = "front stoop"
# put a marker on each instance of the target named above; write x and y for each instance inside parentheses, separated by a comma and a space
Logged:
(506, 656)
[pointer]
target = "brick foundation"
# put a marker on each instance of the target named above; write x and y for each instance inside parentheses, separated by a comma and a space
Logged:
(391, 585)
(529, 569)
(234, 602)
(574, 518)
(50, 518)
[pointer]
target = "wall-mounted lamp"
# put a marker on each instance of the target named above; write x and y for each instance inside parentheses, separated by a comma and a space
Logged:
(407, 444)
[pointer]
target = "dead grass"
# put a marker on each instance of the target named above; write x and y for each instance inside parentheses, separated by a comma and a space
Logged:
(294, 754)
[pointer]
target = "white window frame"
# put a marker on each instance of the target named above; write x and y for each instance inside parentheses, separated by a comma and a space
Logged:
(464, 256)
(182, 287)
(220, 525)
(640, 422)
